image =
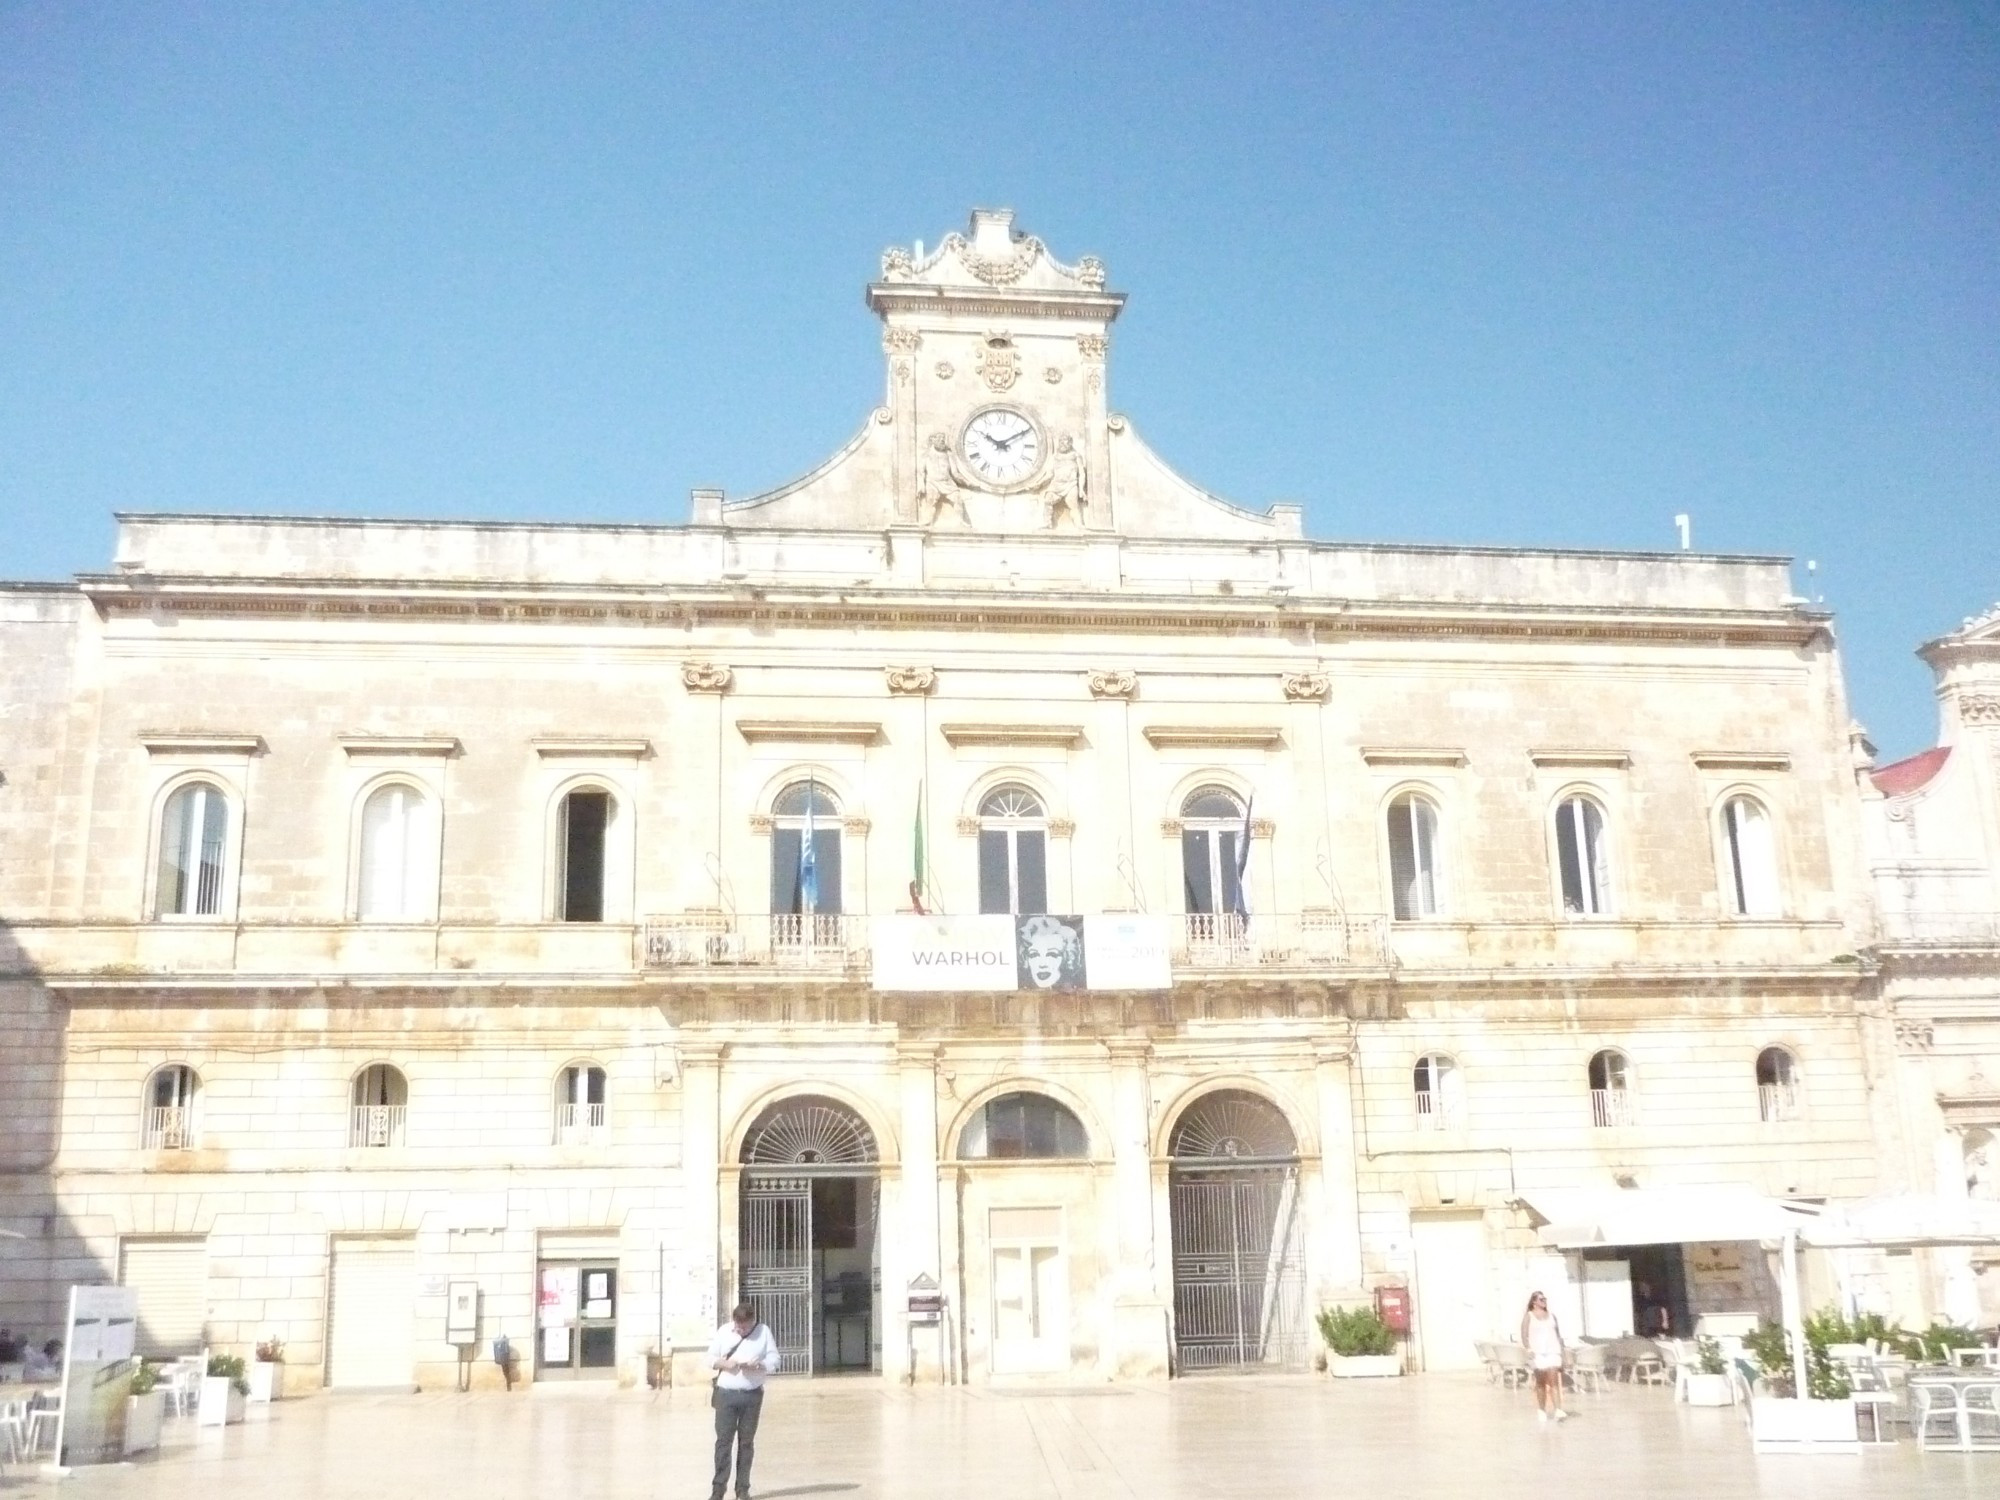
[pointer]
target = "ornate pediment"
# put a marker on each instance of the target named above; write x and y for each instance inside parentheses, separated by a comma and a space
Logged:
(992, 255)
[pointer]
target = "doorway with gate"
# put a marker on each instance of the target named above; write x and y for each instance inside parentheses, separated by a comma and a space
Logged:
(1238, 1237)
(808, 1252)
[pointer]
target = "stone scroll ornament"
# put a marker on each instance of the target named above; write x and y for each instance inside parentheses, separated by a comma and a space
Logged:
(1307, 687)
(706, 677)
(1113, 684)
(911, 679)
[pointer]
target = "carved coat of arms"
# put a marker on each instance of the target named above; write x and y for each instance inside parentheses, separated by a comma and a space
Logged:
(998, 362)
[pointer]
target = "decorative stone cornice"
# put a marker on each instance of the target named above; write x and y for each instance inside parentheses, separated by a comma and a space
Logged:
(1012, 734)
(1213, 736)
(590, 747)
(910, 680)
(809, 731)
(1307, 687)
(400, 747)
(201, 742)
(706, 677)
(1388, 757)
(1742, 760)
(1579, 760)
(1113, 683)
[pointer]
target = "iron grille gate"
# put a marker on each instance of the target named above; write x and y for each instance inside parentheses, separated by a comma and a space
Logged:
(775, 1271)
(1239, 1274)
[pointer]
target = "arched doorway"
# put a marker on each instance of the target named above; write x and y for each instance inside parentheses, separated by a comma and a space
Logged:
(1238, 1232)
(808, 1255)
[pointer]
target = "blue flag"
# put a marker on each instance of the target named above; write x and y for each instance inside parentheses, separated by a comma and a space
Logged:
(808, 858)
(1243, 862)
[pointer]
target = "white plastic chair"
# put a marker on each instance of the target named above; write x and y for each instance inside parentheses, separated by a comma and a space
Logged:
(1982, 1413)
(1512, 1360)
(43, 1424)
(1586, 1371)
(1935, 1414)
(14, 1429)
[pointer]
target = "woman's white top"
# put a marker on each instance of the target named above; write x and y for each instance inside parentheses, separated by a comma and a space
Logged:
(1545, 1345)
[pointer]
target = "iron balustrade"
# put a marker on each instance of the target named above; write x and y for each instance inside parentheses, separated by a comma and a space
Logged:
(1435, 1111)
(1610, 1107)
(168, 1128)
(819, 941)
(377, 1125)
(1777, 1101)
(579, 1122)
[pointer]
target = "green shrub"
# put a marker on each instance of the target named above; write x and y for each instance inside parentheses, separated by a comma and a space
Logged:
(1934, 1345)
(1708, 1357)
(1355, 1330)
(231, 1367)
(1772, 1349)
(145, 1379)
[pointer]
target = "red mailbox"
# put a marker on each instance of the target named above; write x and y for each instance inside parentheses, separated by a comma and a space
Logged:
(1392, 1306)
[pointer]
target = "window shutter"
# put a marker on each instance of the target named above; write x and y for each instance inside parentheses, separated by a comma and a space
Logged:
(1600, 858)
(214, 816)
(826, 857)
(1403, 861)
(1232, 889)
(1569, 858)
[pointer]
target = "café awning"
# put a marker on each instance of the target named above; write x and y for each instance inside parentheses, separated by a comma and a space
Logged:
(1906, 1221)
(1589, 1218)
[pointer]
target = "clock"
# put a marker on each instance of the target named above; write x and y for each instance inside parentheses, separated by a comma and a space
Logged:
(1001, 446)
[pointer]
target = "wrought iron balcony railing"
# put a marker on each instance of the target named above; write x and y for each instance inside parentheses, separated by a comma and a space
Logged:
(377, 1125)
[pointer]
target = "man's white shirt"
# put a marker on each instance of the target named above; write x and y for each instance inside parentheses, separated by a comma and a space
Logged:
(758, 1350)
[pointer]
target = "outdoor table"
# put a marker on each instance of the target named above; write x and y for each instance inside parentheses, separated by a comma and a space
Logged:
(1940, 1380)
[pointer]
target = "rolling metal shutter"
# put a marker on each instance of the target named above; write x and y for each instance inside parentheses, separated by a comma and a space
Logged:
(371, 1334)
(171, 1278)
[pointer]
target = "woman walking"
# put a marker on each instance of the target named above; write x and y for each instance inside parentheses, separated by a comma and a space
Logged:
(1543, 1340)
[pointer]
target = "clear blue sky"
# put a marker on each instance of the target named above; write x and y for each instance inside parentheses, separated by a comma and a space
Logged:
(1538, 274)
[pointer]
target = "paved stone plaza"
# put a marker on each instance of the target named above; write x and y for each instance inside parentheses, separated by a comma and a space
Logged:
(1437, 1436)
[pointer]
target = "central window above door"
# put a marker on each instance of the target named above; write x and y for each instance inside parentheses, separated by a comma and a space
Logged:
(1013, 852)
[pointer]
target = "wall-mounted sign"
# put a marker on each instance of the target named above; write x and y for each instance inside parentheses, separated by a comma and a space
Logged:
(1036, 952)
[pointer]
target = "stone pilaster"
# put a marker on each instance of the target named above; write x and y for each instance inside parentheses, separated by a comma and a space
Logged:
(695, 1303)
(1333, 1203)
(916, 1354)
(1138, 1343)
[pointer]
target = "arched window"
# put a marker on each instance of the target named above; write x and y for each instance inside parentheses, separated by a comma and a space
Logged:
(1749, 859)
(1777, 1085)
(1416, 883)
(1013, 852)
(1438, 1094)
(805, 861)
(1211, 864)
(194, 832)
(168, 1124)
(1018, 1126)
(1610, 1089)
(398, 856)
(581, 1113)
(582, 837)
(1583, 857)
(1233, 1124)
(381, 1106)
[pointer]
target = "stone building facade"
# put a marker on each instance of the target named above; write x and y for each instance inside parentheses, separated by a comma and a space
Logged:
(1933, 830)
(396, 910)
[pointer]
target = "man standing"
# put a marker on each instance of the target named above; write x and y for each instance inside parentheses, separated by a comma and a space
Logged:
(743, 1354)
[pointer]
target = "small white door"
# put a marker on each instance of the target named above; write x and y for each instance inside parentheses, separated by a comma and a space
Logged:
(1607, 1299)
(1030, 1291)
(1451, 1291)
(371, 1335)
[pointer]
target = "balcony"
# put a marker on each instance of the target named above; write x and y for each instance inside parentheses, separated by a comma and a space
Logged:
(1941, 927)
(1227, 942)
(168, 1128)
(377, 1125)
(580, 1124)
(1777, 1102)
(1610, 1108)
(1436, 1111)
(826, 943)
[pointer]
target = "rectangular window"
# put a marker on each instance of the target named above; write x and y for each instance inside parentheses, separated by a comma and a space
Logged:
(996, 892)
(586, 816)
(1031, 872)
(786, 899)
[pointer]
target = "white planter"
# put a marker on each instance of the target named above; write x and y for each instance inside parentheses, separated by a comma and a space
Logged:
(267, 1381)
(221, 1403)
(1709, 1390)
(1363, 1366)
(1780, 1424)
(143, 1415)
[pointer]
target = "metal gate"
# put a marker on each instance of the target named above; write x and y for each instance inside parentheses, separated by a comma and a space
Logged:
(1238, 1234)
(776, 1266)
(1239, 1276)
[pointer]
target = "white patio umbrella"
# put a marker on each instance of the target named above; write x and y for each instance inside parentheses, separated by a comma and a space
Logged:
(1905, 1221)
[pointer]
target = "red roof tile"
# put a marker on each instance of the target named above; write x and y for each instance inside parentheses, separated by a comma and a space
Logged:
(1905, 776)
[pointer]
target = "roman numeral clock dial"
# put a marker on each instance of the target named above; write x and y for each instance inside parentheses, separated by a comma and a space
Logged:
(1001, 446)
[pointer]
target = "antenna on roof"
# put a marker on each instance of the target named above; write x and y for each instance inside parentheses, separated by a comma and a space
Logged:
(1812, 577)
(1681, 524)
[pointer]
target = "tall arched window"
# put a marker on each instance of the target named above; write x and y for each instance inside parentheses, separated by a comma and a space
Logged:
(1013, 852)
(1021, 1126)
(1749, 859)
(803, 886)
(381, 1106)
(582, 1106)
(1583, 857)
(194, 833)
(582, 838)
(398, 860)
(168, 1124)
(1416, 882)
(1610, 1089)
(1211, 832)
(1437, 1091)
(1777, 1085)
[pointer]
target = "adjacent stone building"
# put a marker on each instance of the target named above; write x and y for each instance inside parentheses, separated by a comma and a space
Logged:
(406, 911)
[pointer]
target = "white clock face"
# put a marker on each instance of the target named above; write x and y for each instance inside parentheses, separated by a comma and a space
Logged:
(1001, 446)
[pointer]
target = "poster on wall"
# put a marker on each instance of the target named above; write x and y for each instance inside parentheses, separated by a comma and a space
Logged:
(1039, 951)
(97, 1373)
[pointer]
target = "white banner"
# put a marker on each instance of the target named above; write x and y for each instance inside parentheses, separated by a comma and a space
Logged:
(1035, 952)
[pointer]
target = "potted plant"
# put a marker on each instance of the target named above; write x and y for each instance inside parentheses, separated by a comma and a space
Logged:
(223, 1391)
(145, 1410)
(267, 1374)
(1823, 1418)
(1359, 1343)
(1708, 1383)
